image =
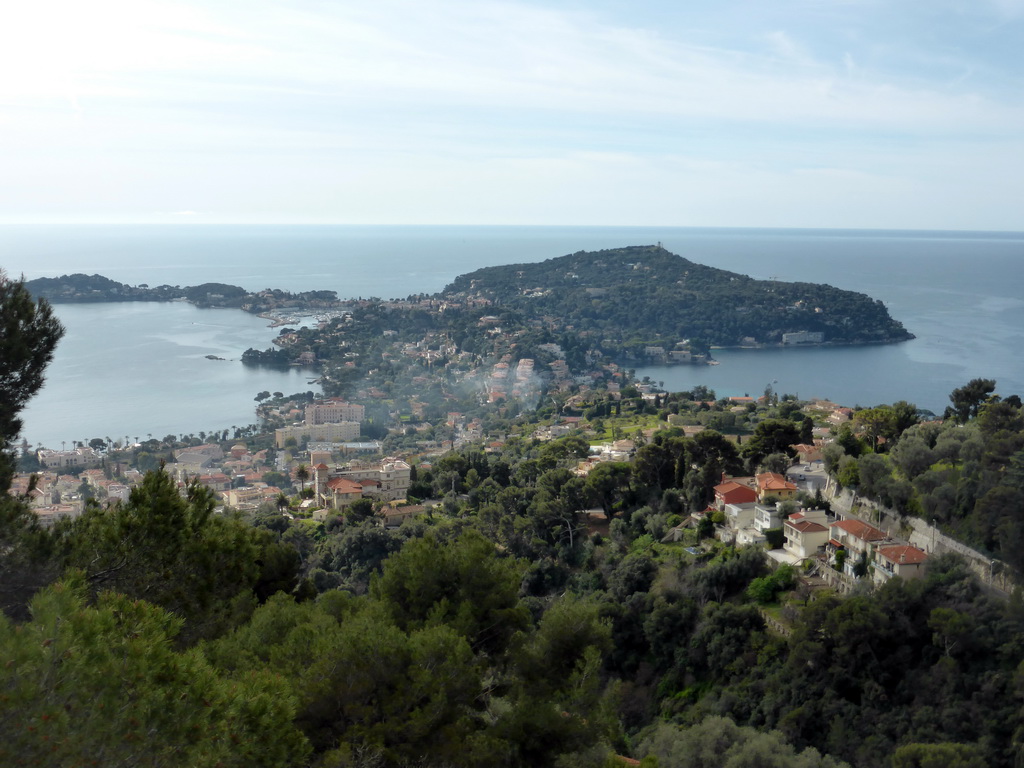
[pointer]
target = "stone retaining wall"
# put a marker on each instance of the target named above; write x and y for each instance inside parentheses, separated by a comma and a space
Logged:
(926, 536)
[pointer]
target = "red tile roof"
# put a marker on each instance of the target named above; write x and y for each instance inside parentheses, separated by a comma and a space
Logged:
(344, 485)
(860, 529)
(806, 526)
(773, 481)
(733, 492)
(903, 554)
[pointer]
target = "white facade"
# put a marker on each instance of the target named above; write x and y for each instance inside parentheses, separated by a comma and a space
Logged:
(803, 337)
(333, 411)
(80, 457)
(766, 517)
(340, 432)
(739, 516)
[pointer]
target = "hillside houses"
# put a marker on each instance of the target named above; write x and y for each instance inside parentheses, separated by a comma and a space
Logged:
(772, 484)
(337, 488)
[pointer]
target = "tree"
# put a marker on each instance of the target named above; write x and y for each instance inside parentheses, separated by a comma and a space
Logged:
(968, 399)
(945, 755)
(302, 475)
(606, 482)
(772, 436)
(173, 552)
(912, 455)
(776, 462)
(717, 742)
(359, 510)
(876, 422)
(1002, 416)
(102, 685)
(364, 686)
(904, 416)
(464, 583)
(654, 466)
(29, 333)
(28, 337)
(952, 628)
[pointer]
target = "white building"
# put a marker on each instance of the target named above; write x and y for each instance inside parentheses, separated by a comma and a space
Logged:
(766, 517)
(803, 337)
(335, 432)
(79, 457)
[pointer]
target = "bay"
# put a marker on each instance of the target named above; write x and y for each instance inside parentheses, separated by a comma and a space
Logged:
(135, 370)
(960, 293)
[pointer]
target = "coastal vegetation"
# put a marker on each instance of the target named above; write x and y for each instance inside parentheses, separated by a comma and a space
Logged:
(532, 614)
(79, 289)
(964, 473)
(640, 303)
(645, 295)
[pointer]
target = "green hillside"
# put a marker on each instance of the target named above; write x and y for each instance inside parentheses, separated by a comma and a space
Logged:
(647, 292)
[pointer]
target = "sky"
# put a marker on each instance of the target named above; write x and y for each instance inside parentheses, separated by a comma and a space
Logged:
(889, 114)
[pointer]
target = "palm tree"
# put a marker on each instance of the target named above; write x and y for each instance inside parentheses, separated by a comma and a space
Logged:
(302, 475)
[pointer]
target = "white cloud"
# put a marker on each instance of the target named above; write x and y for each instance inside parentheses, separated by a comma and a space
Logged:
(474, 111)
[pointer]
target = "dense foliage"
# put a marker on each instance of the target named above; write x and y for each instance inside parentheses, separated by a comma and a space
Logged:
(965, 473)
(651, 294)
(533, 617)
(79, 288)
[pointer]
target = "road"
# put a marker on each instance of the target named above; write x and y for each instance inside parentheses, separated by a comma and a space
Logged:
(809, 480)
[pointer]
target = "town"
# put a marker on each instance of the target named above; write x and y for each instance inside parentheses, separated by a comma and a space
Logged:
(318, 465)
(503, 546)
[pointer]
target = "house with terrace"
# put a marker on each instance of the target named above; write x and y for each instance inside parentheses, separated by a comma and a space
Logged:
(857, 541)
(805, 535)
(898, 560)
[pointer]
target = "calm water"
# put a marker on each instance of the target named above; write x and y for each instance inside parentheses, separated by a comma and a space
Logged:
(139, 369)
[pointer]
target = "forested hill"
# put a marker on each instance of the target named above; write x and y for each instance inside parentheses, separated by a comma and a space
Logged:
(650, 293)
(84, 289)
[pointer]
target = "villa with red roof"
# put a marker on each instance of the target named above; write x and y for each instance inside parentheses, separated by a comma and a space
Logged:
(898, 560)
(857, 538)
(774, 484)
(732, 492)
(340, 487)
(341, 492)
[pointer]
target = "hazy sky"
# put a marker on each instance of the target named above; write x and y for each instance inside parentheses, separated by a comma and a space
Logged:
(820, 113)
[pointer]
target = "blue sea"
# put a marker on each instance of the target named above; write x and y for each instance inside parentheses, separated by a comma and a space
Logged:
(141, 369)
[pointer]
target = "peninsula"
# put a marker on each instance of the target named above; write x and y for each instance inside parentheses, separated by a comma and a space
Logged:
(568, 316)
(646, 295)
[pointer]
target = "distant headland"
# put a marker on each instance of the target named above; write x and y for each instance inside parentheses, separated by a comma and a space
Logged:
(94, 289)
